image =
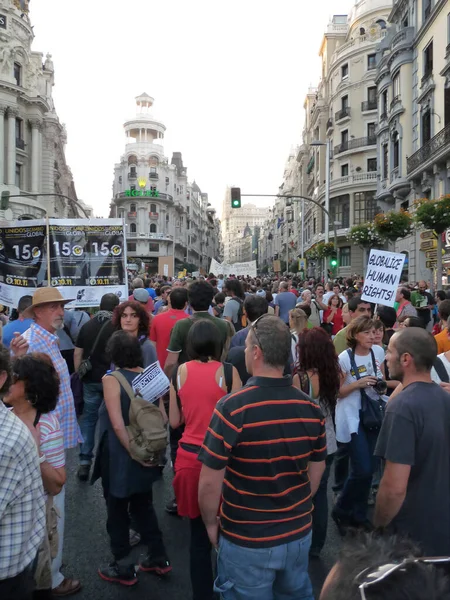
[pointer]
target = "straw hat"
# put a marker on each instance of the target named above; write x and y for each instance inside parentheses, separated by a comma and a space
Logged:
(45, 295)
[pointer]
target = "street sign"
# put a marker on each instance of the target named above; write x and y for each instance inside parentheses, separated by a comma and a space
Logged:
(426, 235)
(276, 266)
(431, 254)
(430, 264)
(302, 264)
(428, 245)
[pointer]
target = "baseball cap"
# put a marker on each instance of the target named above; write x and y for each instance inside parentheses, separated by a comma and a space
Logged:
(141, 295)
(261, 293)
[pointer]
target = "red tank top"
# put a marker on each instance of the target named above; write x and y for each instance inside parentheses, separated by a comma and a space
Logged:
(199, 395)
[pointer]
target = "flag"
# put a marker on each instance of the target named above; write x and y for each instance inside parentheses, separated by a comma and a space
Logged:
(280, 222)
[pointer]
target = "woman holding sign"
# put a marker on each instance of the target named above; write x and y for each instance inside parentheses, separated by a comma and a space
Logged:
(359, 414)
(196, 388)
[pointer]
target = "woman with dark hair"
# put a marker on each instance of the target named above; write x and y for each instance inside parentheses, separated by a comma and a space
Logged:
(318, 374)
(131, 316)
(33, 395)
(333, 315)
(196, 388)
(362, 368)
(127, 483)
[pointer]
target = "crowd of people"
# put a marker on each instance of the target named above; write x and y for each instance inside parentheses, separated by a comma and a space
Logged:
(279, 389)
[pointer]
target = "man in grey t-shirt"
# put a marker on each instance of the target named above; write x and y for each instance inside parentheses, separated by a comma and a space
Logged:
(414, 493)
(284, 302)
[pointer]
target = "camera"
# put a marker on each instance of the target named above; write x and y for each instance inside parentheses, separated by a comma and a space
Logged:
(380, 387)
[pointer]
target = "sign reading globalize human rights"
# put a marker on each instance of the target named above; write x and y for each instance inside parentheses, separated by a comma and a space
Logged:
(382, 277)
(86, 259)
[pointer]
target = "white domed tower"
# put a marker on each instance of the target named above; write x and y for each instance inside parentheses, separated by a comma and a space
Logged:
(145, 133)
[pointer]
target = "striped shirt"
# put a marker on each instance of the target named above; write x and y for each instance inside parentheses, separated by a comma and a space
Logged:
(265, 435)
(51, 438)
(41, 340)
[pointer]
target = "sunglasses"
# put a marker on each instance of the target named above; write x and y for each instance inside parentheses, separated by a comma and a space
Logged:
(253, 327)
(385, 571)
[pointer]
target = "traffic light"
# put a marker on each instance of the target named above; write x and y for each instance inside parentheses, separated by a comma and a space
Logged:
(235, 197)
(334, 261)
(4, 204)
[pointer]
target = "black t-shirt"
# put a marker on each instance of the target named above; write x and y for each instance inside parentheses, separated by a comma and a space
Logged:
(86, 338)
(416, 432)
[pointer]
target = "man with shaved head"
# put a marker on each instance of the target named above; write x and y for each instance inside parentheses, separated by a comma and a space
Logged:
(414, 494)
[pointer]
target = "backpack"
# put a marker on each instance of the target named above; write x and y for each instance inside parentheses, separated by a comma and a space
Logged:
(241, 322)
(147, 432)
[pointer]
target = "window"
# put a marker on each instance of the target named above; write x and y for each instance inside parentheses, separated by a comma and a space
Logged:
(153, 247)
(344, 140)
(132, 208)
(18, 73)
(371, 165)
(344, 71)
(340, 211)
(384, 103)
(372, 95)
(19, 129)
(396, 86)
(344, 103)
(18, 175)
(405, 22)
(371, 62)
(396, 149)
(167, 181)
(371, 127)
(428, 60)
(153, 208)
(345, 256)
(133, 228)
(381, 23)
(167, 218)
(365, 207)
(132, 171)
(153, 228)
(120, 178)
(314, 225)
(426, 126)
(152, 169)
(131, 247)
(427, 9)
(385, 162)
(132, 188)
(344, 171)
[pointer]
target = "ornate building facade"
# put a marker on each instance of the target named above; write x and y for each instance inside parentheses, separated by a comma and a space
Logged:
(165, 214)
(32, 139)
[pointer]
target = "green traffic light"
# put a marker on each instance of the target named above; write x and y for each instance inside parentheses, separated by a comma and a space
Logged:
(333, 263)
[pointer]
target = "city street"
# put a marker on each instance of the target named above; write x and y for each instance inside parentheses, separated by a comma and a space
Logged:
(86, 546)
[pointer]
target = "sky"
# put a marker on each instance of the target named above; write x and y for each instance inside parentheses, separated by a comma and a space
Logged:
(229, 80)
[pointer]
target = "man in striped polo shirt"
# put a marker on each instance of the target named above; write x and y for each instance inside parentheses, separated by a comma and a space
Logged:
(263, 456)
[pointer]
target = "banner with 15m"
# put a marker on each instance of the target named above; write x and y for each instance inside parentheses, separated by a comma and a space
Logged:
(86, 259)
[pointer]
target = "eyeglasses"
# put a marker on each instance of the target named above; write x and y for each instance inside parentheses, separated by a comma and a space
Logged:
(253, 328)
(384, 571)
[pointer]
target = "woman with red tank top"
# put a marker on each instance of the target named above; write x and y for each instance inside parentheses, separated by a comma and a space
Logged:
(196, 388)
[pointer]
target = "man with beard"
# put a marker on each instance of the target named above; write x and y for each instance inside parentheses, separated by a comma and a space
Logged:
(414, 493)
(47, 310)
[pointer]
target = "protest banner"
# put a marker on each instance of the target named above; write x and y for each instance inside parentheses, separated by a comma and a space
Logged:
(83, 258)
(382, 277)
(246, 268)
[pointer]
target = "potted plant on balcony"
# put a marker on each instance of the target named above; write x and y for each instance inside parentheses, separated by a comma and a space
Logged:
(434, 215)
(394, 224)
(365, 236)
(328, 249)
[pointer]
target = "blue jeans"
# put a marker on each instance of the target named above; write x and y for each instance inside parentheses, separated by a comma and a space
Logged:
(93, 397)
(352, 503)
(320, 512)
(279, 573)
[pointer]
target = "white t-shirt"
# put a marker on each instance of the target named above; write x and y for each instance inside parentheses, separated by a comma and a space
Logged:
(434, 376)
(328, 295)
(347, 409)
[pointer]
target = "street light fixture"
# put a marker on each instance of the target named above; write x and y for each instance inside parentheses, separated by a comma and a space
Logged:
(327, 144)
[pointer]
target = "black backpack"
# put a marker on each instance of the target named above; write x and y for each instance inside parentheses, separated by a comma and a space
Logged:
(240, 317)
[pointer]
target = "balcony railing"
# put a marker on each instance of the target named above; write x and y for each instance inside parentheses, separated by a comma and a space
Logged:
(153, 215)
(132, 175)
(356, 143)
(395, 100)
(160, 236)
(153, 175)
(394, 174)
(342, 114)
(144, 193)
(132, 215)
(369, 105)
(429, 150)
(20, 144)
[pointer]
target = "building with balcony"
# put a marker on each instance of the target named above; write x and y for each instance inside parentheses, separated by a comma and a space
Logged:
(413, 134)
(343, 112)
(237, 247)
(165, 214)
(32, 139)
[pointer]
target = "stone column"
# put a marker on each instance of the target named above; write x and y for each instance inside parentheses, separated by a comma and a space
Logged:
(2, 142)
(13, 113)
(36, 149)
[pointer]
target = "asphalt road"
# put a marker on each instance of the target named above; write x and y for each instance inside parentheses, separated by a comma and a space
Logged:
(86, 546)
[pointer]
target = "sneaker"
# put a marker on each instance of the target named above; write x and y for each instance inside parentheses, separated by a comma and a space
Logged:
(172, 507)
(159, 565)
(83, 472)
(114, 573)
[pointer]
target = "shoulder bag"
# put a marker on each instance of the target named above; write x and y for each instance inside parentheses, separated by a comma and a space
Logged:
(372, 410)
(86, 365)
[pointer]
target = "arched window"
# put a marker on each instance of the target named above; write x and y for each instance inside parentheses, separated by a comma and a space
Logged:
(132, 207)
(132, 160)
(362, 31)
(381, 23)
(153, 228)
(133, 228)
(153, 208)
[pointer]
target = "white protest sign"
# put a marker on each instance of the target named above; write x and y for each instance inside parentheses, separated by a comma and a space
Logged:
(247, 268)
(152, 383)
(382, 277)
(215, 268)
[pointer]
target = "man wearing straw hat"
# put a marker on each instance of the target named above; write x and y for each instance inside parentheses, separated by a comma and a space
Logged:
(47, 311)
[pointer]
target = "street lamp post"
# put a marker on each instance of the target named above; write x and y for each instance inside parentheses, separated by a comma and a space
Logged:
(327, 144)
